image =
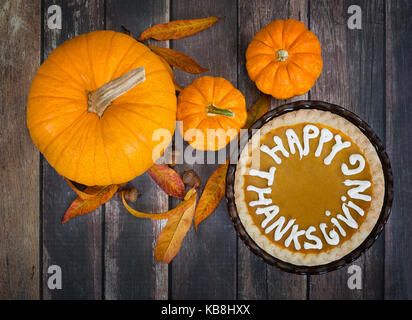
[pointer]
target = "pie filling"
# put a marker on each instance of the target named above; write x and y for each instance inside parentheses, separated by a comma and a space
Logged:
(311, 190)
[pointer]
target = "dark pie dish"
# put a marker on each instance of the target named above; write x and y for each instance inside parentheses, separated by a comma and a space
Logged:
(382, 215)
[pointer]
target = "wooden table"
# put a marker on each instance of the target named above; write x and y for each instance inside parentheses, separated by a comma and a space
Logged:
(108, 254)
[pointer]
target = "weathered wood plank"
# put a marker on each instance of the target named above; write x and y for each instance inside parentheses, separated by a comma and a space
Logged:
(205, 267)
(131, 271)
(353, 76)
(398, 254)
(76, 246)
(19, 159)
(256, 279)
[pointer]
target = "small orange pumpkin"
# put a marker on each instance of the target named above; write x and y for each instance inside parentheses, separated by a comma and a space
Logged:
(94, 105)
(284, 59)
(212, 112)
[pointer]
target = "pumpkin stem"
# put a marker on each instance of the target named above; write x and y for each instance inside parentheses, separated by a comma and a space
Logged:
(282, 55)
(103, 97)
(211, 109)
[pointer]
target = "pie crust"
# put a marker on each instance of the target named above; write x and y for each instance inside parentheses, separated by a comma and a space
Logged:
(245, 212)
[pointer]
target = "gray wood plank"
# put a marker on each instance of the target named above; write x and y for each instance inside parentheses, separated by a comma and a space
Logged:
(353, 76)
(131, 271)
(205, 267)
(77, 245)
(256, 279)
(19, 159)
(398, 253)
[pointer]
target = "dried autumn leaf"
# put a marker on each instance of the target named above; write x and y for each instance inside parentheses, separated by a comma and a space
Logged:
(172, 74)
(260, 107)
(177, 29)
(89, 192)
(212, 194)
(170, 239)
(79, 192)
(168, 179)
(182, 206)
(178, 59)
(81, 206)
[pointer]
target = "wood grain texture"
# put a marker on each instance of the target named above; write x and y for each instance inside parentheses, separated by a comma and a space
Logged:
(353, 76)
(131, 271)
(77, 245)
(109, 253)
(398, 254)
(19, 159)
(205, 267)
(256, 279)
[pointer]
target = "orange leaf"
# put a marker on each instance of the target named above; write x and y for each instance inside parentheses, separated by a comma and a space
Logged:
(168, 179)
(170, 239)
(177, 29)
(82, 206)
(178, 59)
(182, 206)
(87, 193)
(212, 194)
(172, 74)
(260, 107)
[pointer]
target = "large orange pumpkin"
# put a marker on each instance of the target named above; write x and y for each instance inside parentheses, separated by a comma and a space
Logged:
(95, 104)
(211, 111)
(284, 59)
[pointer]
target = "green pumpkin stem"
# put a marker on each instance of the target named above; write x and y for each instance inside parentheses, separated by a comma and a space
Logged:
(211, 109)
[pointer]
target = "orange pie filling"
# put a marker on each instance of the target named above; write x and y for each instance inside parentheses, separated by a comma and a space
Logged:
(312, 189)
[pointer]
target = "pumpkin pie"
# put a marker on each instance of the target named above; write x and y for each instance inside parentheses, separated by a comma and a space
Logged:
(309, 187)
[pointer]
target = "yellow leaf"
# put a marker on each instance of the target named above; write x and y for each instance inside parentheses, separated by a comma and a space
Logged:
(178, 59)
(212, 194)
(155, 216)
(82, 206)
(177, 29)
(170, 239)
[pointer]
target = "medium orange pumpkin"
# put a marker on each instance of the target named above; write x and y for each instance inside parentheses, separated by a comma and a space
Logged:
(284, 59)
(214, 105)
(95, 104)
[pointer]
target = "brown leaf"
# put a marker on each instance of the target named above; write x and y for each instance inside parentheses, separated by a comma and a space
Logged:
(172, 74)
(212, 194)
(260, 107)
(88, 192)
(82, 206)
(168, 179)
(178, 59)
(154, 216)
(170, 239)
(177, 29)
